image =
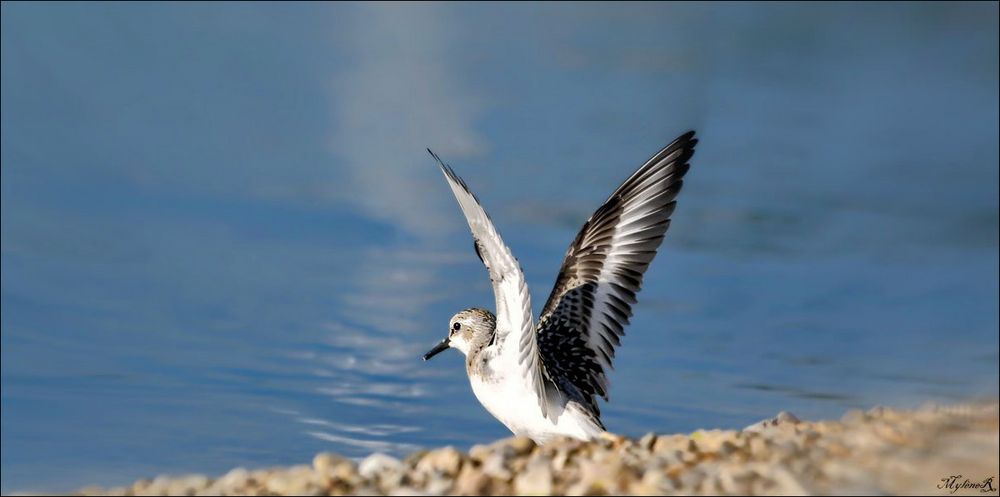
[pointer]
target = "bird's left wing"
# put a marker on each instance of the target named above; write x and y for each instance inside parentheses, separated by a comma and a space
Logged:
(590, 305)
(515, 327)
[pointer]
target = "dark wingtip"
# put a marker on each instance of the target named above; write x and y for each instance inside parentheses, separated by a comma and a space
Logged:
(444, 167)
(688, 139)
(686, 142)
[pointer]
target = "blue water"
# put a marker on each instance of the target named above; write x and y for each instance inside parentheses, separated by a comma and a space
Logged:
(223, 243)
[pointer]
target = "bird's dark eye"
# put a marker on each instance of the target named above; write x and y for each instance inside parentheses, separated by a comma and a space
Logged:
(456, 326)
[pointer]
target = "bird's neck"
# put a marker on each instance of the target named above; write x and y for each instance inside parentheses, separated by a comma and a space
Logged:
(480, 350)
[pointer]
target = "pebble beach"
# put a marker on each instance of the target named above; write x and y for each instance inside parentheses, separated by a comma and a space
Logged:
(936, 450)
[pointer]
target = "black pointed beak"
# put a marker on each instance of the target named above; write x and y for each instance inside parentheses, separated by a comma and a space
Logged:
(440, 347)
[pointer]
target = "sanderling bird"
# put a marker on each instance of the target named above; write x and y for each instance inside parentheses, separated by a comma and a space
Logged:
(542, 380)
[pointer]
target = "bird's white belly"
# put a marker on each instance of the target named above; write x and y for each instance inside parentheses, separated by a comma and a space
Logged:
(515, 404)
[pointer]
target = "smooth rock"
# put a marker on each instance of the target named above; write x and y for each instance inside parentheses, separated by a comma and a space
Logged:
(378, 463)
(325, 463)
(471, 481)
(784, 418)
(446, 461)
(647, 441)
(187, 485)
(536, 479)
(234, 480)
(522, 445)
(495, 466)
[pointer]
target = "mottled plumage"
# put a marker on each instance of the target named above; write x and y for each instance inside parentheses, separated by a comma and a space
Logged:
(544, 380)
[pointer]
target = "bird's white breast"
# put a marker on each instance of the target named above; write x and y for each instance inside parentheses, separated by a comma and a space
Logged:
(511, 400)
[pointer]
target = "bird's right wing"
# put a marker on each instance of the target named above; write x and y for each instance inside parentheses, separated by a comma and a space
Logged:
(587, 312)
(515, 326)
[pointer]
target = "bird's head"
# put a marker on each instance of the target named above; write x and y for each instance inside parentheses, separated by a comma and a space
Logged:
(466, 328)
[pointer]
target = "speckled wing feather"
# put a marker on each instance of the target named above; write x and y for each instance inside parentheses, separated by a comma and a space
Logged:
(515, 326)
(591, 304)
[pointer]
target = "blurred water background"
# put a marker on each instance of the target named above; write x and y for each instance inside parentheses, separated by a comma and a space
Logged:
(223, 243)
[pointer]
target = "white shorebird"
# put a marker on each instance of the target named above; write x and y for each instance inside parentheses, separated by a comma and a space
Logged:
(542, 380)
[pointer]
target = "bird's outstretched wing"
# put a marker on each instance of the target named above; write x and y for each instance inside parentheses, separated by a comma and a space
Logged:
(515, 326)
(591, 304)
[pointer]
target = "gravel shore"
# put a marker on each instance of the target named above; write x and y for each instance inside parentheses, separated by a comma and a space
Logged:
(932, 450)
